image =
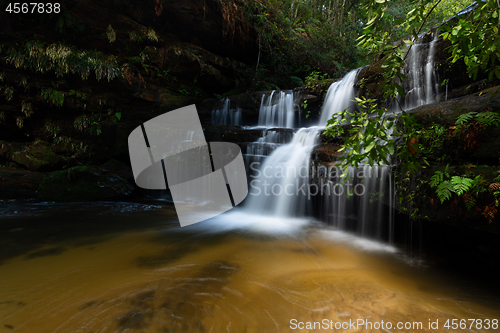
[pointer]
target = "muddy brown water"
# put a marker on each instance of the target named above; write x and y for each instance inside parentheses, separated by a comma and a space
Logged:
(118, 267)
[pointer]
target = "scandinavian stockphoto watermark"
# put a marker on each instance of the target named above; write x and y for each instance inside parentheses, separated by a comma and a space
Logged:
(205, 179)
(308, 180)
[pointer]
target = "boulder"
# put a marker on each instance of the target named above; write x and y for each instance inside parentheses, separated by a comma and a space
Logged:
(30, 161)
(119, 168)
(447, 112)
(17, 184)
(37, 157)
(44, 152)
(84, 183)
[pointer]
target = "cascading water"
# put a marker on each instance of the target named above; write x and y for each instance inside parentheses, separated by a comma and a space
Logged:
(360, 203)
(363, 202)
(277, 110)
(422, 87)
(281, 185)
(277, 114)
(223, 114)
(271, 139)
(355, 203)
(339, 97)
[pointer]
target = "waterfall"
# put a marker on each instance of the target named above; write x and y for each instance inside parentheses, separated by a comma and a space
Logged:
(422, 87)
(361, 203)
(277, 110)
(339, 97)
(223, 114)
(284, 181)
(280, 185)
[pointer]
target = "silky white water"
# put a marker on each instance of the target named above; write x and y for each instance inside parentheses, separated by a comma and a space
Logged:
(277, 110)
(281, 186)
(224, 114)
(423, 86)
(340, 96)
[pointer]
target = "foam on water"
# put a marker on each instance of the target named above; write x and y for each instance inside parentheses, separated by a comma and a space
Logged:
(243, 221)
(357, 242)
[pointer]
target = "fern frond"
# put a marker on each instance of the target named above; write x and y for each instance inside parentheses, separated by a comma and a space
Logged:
(436, 179)
(465, 118)
(444, 191)
(469, 200)
(461, 184)
(488, 119)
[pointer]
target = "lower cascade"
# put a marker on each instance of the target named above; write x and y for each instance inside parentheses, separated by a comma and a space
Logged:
(280, 186)
(362, 203)
(285, 182)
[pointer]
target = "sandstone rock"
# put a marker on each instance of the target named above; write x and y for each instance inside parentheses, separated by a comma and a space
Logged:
(119, 168)
(84, 183)
(30, 161)
(37, 157)
(44, 152)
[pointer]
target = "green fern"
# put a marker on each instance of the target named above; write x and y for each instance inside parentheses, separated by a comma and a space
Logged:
(470, 202)
(436, 179)
(444, 191)
(461, 184)
(485, 118)
(53, 97)
(465, 118)
(477, 185)
(488, 119)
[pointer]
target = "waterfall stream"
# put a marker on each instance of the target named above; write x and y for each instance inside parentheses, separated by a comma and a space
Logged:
(277, 110)
(423, 86)
(286, 183)
(223, 114)
(280, 185)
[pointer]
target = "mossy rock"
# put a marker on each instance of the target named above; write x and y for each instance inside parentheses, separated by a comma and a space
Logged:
(44, 152)
(446, 113)
(83, 183)
(30, 161)
(37, 157)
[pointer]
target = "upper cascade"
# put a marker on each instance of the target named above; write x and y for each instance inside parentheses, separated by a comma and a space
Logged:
(339, 97)
(277, 110)
(423, 86)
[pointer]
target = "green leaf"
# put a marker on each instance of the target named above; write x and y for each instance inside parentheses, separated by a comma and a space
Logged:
(370, 146)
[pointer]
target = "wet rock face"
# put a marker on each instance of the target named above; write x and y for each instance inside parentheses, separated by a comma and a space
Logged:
(199, 22)
(83, 184)
(487, 147)
(233, 134)
(447, 112)
(4, 151)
